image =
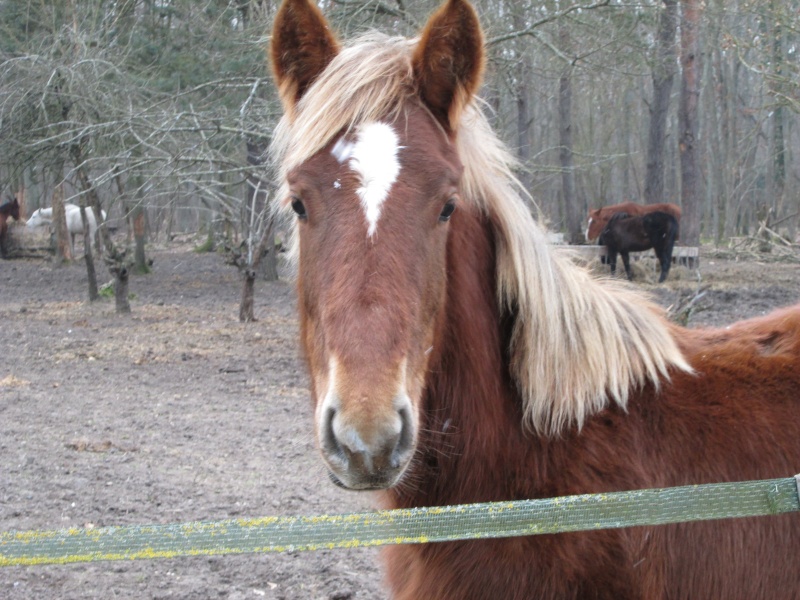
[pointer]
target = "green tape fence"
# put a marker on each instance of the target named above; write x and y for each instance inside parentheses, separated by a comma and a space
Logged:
(415, 526)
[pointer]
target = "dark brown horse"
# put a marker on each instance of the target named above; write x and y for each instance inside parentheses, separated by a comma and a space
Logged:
(625, 234)
(7, 209)
(455, 357)
(599, 217)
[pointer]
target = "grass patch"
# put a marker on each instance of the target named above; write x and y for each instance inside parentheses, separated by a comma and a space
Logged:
(106, 290)
(207, 246)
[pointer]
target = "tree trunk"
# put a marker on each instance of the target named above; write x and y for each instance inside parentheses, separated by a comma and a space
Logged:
(731, 134)
(21, 197)
(269, 263)
(121, 302)
(524, 70)
(255, 217)
(791, 195)
(265, 246)
(88, 257)
(566, 158)
(778, 178)
(117, 261)
(139, 258)
(572, 213)
(170, 220)
(687, 115)
(716, 107)
(139, 227)
(256, 200)
(663, 74)
(63, 237)
(246, 312)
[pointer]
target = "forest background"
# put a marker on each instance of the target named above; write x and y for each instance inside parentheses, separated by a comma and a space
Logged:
(163, 109)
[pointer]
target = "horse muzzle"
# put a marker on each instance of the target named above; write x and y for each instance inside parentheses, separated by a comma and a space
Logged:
(367, 449)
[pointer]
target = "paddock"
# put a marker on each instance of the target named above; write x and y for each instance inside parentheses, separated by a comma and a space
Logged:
(687, 256)
(175, 413)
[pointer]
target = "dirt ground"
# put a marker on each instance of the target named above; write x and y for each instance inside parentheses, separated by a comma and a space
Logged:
(179, 412)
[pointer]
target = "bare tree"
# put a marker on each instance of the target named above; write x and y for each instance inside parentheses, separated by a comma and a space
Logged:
(689, 100)
(123, 140)
(165, 105)
(258, 239)
(88, 257)
(63, 239)
(571, 212)
(663, 74)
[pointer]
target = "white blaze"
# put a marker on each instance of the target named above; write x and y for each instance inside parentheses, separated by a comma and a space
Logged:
(373, 156)
(342, 150)
(330, 399)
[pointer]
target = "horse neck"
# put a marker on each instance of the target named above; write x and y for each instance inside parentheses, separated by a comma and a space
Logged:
(472, 415)
(7, 211)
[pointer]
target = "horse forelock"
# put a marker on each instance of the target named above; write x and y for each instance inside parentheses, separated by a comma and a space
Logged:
(370, 78)
(577, 344)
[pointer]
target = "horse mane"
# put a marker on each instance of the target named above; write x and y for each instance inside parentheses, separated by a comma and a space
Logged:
(577, 343)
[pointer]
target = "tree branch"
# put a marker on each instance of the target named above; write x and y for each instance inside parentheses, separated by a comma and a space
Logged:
(557, 15)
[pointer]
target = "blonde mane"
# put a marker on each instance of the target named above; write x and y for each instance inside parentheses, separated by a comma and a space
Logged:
(578, 343)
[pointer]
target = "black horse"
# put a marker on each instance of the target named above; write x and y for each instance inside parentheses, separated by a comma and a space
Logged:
(624, 234)
(8, 209)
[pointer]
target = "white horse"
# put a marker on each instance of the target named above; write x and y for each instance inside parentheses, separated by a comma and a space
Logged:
(44, 216)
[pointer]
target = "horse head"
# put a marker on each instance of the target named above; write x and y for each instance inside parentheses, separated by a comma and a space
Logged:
(10, 208)
(593, 224)
(14, 210)
(38, 218)
(372, 183)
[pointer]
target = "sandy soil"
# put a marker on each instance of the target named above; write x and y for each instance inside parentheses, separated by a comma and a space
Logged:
(179, 412)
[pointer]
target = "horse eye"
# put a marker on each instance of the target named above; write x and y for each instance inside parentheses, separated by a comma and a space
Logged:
(299, 208)
(448, 209)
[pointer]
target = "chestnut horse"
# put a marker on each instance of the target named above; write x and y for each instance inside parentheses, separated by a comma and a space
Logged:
(454, 357)
(7, 209)
(599, 217)
(625, 234)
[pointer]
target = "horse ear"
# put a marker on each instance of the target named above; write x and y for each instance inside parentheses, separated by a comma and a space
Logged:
(302, 46)
(448, 62)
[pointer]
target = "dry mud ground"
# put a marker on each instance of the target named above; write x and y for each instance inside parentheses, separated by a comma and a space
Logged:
(180, 413)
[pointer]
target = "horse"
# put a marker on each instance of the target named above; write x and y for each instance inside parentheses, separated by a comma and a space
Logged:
(44, 216)
(599, 217)
(624, 234)
(7, 209)
(455, 357)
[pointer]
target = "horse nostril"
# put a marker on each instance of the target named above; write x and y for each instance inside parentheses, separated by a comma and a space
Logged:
(330, 444)
(405, 438)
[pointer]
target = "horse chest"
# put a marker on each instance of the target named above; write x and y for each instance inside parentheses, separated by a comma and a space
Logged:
(541, 567)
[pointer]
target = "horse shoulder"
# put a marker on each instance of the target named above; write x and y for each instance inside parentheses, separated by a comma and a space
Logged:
(777, 333)
(745, 383)
(599, 560)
